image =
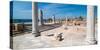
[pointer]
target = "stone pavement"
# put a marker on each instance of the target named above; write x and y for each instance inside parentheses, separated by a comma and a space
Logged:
(71, 36)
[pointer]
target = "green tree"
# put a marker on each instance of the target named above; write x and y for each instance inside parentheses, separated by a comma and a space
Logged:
(50, 20)
(81, 18)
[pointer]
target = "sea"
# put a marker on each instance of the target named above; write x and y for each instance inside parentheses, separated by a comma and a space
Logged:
(21, 20)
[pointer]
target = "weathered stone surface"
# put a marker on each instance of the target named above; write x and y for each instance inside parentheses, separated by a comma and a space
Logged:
(71, 38)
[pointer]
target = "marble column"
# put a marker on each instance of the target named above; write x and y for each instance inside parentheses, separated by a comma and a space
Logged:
(40, 15)
(66, 20)
(90, 37)
(35, 27)
(59, 20)
(53, 17)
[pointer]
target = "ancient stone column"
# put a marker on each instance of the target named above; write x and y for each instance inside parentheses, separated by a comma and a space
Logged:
(35, 28)
(59, 20)
(66, 20)
(90, 37)
(53, 17)
(40, 15)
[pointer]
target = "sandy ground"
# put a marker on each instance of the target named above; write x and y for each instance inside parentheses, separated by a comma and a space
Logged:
(73, 36)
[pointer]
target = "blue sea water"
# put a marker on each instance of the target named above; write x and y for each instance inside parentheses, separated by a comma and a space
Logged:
(20, 20)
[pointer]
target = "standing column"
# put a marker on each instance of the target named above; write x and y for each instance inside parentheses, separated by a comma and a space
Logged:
(90, 38)
(66, 20)
(40, 15)
(35, 28)
(53, 19)
(59, 20)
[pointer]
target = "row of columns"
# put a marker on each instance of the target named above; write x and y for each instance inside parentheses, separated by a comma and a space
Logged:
(90, 37)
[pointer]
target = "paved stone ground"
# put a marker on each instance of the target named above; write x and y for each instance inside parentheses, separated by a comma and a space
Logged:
(72, 37)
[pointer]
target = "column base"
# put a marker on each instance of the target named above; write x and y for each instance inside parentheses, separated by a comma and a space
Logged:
(92, 42)
(37, 34)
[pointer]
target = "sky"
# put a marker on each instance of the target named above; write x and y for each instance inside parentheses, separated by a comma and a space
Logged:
(62, 10)
(23, 10)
